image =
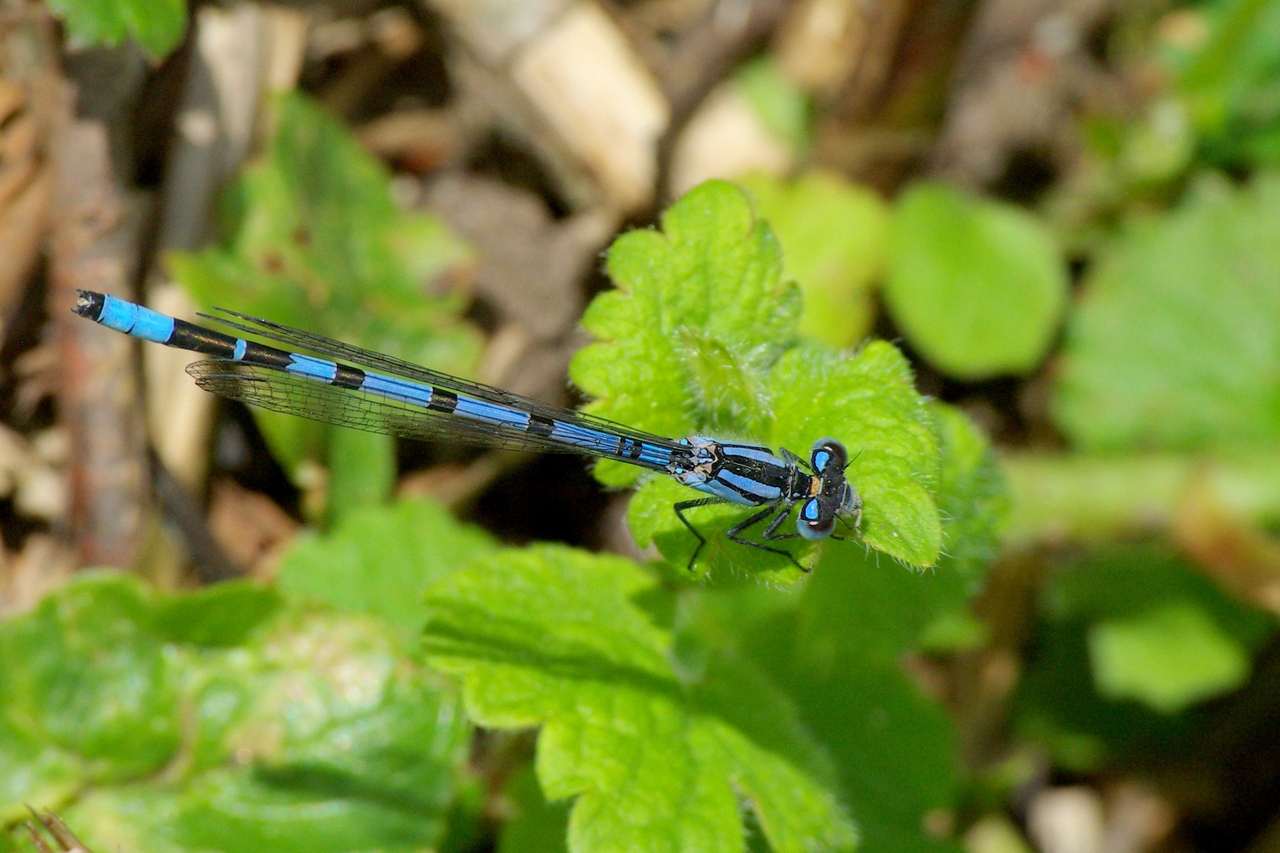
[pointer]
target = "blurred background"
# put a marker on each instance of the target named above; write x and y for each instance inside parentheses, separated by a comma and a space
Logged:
(1065, 212)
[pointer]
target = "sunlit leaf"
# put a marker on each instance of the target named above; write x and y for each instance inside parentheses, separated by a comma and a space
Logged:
(978, 287)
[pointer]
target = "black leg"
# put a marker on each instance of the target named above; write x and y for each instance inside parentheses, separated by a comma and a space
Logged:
(694, 504)
(791, 459)
(770, 536)
(733, 532)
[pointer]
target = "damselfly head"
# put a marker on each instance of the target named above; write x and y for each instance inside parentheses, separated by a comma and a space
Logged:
(834, 496)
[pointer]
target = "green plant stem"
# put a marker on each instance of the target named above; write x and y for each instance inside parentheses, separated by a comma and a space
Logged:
(1090, 498)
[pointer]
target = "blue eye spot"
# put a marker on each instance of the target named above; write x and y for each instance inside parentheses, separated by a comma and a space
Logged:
(810, 511)
(820, 459)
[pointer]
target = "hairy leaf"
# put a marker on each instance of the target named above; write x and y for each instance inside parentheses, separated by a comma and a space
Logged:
(699, 338)
(378, 560)
(714, 273)
(552, 637)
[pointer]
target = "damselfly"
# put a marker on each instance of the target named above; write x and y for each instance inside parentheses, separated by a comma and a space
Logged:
(365, 390)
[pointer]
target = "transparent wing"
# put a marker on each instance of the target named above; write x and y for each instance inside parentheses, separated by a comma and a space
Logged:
(294, 395)
(378, 362)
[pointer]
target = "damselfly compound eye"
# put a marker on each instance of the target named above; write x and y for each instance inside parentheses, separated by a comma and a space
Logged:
(812, 523)
(828, 452)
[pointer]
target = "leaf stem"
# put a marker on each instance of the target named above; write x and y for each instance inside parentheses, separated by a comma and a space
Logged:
(1091, 498)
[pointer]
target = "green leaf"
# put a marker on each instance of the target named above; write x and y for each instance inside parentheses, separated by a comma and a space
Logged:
(1157, 149)
(996, 833)
(838, 655)
(552, 637)
(32, 770)
(1057, 708)
(780, 104)
(156, 25)
(712, 274)
(243, 812)
(362, 470)
(973, 497)
(469, 822)
(225, 614)
(84, 684)
(1131, 591)
(378, 560)
(1122, 583)
(317, 242)
(536, 826)
(309, 729)
(1176, 341)
(977, 286)
(1170, 658)
(319, 735)
(895, 606)
(1228, 81)
(835, 240)
(332, 706)
(881, 611)
(700, 338)
(895, 749)
(838, 659)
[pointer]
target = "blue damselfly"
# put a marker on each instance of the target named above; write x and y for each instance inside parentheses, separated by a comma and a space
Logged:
(353, 387)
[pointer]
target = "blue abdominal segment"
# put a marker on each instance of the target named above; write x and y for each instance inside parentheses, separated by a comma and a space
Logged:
(414, 393)
(491, 413)
(136, 321)
(312, 368)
